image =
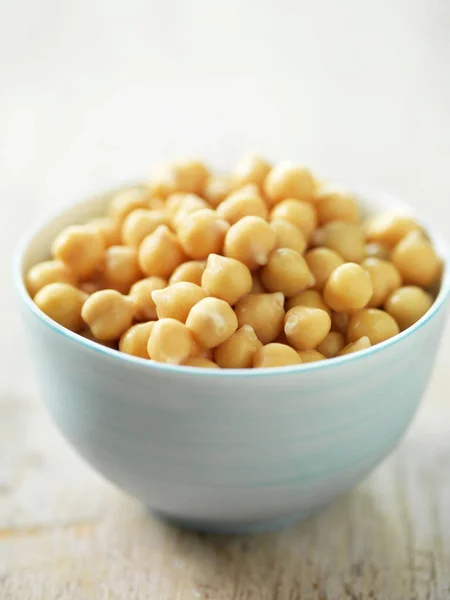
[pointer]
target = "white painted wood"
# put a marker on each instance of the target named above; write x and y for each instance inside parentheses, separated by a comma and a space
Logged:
(91, 93)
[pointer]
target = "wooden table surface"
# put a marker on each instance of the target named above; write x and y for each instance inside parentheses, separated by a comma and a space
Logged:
(91, 94)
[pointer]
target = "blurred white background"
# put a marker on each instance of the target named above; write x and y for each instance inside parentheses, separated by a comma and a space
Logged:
(93, 91)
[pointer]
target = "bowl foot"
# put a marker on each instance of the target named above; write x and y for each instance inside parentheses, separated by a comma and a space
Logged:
(236, 528)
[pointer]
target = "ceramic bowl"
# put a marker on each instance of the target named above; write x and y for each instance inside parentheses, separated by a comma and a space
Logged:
(228, 450)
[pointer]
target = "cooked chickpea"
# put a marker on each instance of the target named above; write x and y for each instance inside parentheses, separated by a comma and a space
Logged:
(176, 200)
(300, 213)
(385, 279)
(126, 201)
(199, 361)
(389, 228)
(217, 189)
(275, 355)
(416, 260)
(162, 181)
(141, 295)
(408, 304)
(176, 300)
(109, 228)
(238, 351)
(49, 271)
(198, 350)
(170, 342)
(108, 313)
(310, 298)
(140, 223)
(251, 169)
(286, 271)
(226, 278)
(288, 235)
(306, 327)
(95, 284)
(211, 322)
(339, 322)
(257, 286)
(361, 344)
(263, 312)
(241, 204)
(81, 248)
(287, 180)
(308, 356)
(348, 288)
(347, 239)
(190, 176)
(156, 203)
(336, 205)
(189, 205)
(250, 240)
(62, 302)
(121, 268)
(377, 250)
(332, 344)
(190, 271)
(202, 233)
(135, 340)
(322, 262)
(373, 323)
(160, 253)
(88, 335)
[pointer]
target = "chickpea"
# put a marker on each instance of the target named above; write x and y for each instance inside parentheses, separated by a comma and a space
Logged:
(88, 335)
(81, 248)
(202, 234)
(162, 181)
(250, 240)
(287, 180)
(217, 189)
(361, 344)
(385, 279)
(373, 323)
(160, 253)
(226, 278)
(190, 271)
(49, 271)
(126, 201)
(408, 304)
(211, 322)
(286, 271)
(140, 223)
(347, 239)
(336, 205)
(95, 284)
(306, 327)
(240, 204)
(238, 351)
(257, 286)
(416, 260)
(134, 341)
(121, 268)
(176, 300)
(300, 213)
(190, 205)
(310, 298)
(109, 228)
(308, 356)
(199, 361)
(251, 169)
(156, 203)
(108, 313)
(377, 250)
(198, 350)
(332, 344)
(190, 176)
(288, 235)
(339, 322)
(348, 288)
(176, 200)
(141, 295)
(62, 302)
(322, 262)
(170, 342)
(389, 228)
(264, 312)
(275, 355)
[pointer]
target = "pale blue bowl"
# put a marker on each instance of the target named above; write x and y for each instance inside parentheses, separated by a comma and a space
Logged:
(229, 450)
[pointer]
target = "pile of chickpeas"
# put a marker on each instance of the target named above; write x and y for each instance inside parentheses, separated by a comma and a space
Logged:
(264, 267)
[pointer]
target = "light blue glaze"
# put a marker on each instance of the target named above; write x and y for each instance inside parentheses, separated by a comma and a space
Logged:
(227, 450)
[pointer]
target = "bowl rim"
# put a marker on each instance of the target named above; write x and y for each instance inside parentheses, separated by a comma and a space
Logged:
(33, 231)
